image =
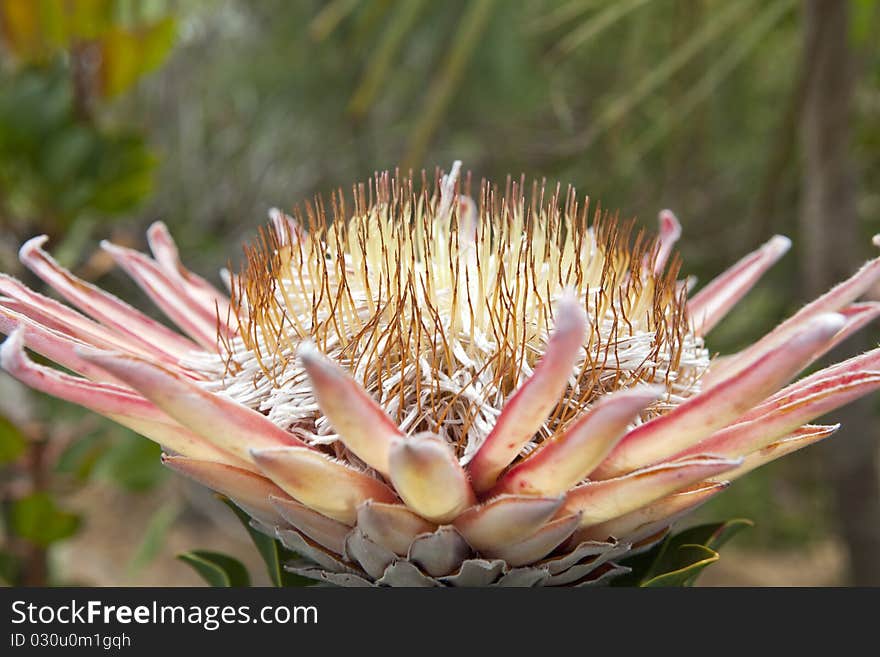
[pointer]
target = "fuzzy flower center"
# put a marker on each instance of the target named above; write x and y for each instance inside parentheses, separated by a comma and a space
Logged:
(440, 306)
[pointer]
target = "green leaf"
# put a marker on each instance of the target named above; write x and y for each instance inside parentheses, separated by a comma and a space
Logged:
(683, 563)
(679, 559)
(10, 566)
(274, 554)
(37, 519)
(639, 565)
(217, 569)
(712, 535)
(12, 441)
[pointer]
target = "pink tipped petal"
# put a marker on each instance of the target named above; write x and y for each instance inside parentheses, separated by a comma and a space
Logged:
(652, 518)
(803, 437)
(287, 230)
(559, 464)
(858, 315)
(468, 218)
(232, 427)
(789, 412)
(539, 545)
(600, 501)
(528, 408)
(670, 231)
(330, 487)
(200, 325)
(121, 405)
(426, 474)
(103, 398)
(392, 526)
(101, 305)
(165, 251)
(834, 300)
(63, 319)
(249, 490)
(324, 531)
(720, 405)
(505, 520)
(866, 362)
(54, 345)
(174, 438)
(715, 300)
(362, 424)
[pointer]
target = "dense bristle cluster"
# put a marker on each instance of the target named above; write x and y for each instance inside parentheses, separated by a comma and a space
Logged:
(439, 305)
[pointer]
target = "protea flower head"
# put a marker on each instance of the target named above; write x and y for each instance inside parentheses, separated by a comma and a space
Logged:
(420, 386)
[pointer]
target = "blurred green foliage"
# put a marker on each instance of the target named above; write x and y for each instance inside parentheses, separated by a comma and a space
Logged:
(67, 165)
(37, 518)
(12, 442)
(56, 167)
(59, 161)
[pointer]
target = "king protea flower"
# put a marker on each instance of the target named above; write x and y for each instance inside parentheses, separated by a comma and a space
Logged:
(431, 389)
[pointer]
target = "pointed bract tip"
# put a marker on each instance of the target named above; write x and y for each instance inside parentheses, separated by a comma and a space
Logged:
(455, 170)
(779, 245)
(669, 223)
(98, 356)
(570, 313)
(157, 226)
(111, 248)
(876, 240)
(828, 322)
(32, 245)
(264, 452)
(11, 349)
(308, 354)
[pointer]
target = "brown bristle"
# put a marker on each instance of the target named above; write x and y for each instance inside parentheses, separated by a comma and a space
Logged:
(393, 290)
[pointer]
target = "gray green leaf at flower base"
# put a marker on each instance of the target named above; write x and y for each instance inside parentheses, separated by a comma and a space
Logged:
(273, 553)
(679, 559)
(218, 570)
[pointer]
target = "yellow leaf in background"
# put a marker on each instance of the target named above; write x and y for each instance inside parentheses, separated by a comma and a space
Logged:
(22, 28)
(88, 19)
(126, 54)
(34, 29)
